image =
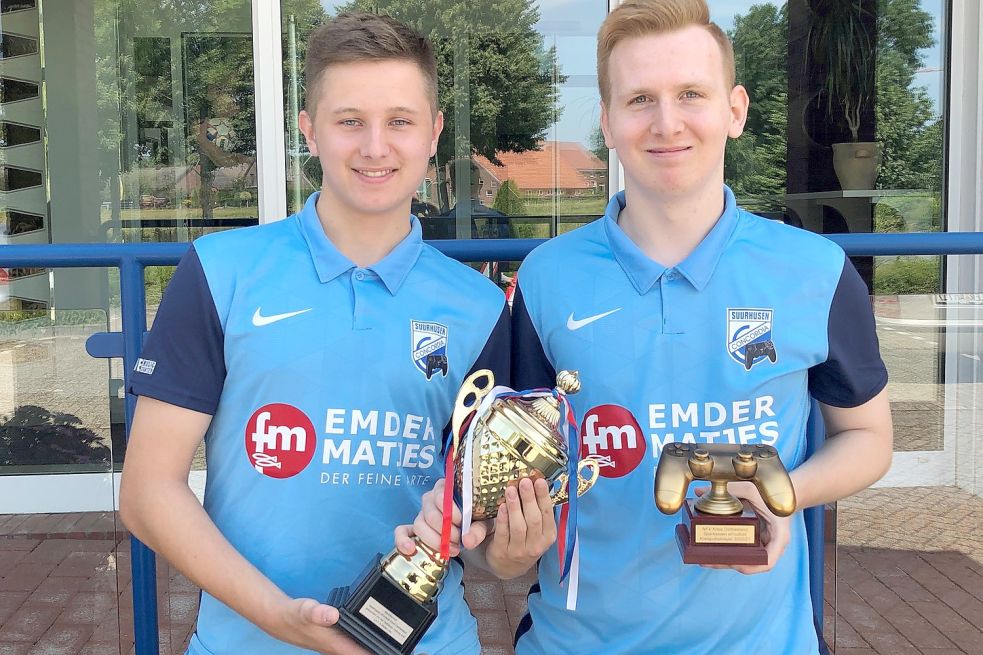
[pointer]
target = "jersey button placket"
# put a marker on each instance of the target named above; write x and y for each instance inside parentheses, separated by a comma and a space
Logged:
(671, 309)
(360, 296)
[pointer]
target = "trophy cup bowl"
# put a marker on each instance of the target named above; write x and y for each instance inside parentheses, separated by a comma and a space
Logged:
(517, 437)
(394, 600)
(718, 528)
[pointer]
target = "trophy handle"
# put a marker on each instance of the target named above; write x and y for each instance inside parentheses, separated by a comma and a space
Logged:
(562, 494)
(470, 389)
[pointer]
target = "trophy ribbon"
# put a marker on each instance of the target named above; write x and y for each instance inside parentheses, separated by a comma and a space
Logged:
(567, 550)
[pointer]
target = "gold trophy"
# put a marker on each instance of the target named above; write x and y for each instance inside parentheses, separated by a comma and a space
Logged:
(718, 528)
(497, 442)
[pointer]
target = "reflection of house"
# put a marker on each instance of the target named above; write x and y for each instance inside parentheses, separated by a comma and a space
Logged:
(166, 181)
(562, 168)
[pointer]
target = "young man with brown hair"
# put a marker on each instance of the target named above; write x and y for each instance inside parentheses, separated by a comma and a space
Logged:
(319, 358)
(691, 320)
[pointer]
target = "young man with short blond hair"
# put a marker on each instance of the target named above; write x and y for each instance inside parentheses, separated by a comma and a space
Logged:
(691, 320)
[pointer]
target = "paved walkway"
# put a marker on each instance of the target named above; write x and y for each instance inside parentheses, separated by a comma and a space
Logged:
(908, 579)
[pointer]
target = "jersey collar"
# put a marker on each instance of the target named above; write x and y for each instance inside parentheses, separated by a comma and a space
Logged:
(330, 263)
(697, 268)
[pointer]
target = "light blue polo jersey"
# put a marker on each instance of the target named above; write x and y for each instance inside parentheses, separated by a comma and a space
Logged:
(725, 347)
(330, 387)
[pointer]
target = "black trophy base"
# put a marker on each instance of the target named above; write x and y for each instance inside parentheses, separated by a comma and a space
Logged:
(379, 615)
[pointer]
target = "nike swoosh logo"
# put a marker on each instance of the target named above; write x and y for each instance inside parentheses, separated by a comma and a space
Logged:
(574, 324)
(259, 320)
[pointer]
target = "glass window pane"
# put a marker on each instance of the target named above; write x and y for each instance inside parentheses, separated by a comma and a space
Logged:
(846, 134)
(14, 134)
(12, 90)
(15, 45)
(521, 153)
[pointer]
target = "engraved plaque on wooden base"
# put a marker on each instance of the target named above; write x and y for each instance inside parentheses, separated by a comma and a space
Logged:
(711, 539)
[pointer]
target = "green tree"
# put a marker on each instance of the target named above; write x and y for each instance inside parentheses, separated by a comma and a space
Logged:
(508, 201)
(512, 78)
(908, 275)
(755, 164)
(909, 127)
(595, 143)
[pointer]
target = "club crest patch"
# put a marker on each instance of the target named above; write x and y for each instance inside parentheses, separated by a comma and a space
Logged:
(429, 347)
(749, 339)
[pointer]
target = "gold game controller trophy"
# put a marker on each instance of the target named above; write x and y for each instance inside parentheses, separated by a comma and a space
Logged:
(394, 601)
(718, 528)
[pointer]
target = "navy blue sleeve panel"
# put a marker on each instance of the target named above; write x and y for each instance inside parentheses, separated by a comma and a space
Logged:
(494, 356)
(531, 368)
(183, 359)
(853, 372)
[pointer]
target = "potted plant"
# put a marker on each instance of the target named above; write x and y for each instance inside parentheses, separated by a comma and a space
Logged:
(842, 46)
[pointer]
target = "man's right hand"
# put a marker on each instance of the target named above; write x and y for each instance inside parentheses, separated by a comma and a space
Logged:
(309, 624)
(521, 532)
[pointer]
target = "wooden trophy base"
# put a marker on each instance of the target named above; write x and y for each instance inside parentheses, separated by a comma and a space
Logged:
(709, 539)
(380, 615)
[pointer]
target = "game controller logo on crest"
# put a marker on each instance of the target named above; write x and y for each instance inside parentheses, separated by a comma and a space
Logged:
(749, 336)
(429, 347)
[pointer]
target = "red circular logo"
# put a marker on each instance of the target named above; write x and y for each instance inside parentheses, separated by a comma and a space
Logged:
(611, 433)
(280, 440)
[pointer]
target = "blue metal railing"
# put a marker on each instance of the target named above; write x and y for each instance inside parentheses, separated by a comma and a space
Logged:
(132, 259)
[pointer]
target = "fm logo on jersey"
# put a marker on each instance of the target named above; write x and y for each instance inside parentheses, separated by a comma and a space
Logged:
(280, 440)
(749, 336)
(613, 436)
(429, 347)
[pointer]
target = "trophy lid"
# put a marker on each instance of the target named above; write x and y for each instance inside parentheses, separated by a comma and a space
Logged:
(547, 407)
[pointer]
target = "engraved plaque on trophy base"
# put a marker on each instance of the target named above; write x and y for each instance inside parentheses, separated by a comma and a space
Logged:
(380, 615)
(711, 539)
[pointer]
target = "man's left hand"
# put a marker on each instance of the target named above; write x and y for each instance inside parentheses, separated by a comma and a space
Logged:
(776, 531)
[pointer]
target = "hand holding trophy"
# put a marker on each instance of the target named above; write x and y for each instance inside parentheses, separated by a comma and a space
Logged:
(718, 528)
(499, 437)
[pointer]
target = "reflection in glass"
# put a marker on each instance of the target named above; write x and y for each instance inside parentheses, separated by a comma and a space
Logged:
(187, 135)
(15, 134)
(220, 118)
(17, 179)
(15, 222)
(785, 158)
(521, 154)
(54, 414)
(12, 90)
(14, 45)
(8, 6)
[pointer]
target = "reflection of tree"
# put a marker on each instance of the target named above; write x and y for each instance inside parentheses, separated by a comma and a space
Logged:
(755, 163)
(908, 126)
(218, 79)
(512, 77)
(36, 436)
(508, 200)
(595, 143)
(136, 79)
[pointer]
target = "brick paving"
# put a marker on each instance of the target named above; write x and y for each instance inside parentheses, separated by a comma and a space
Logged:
(906, 577)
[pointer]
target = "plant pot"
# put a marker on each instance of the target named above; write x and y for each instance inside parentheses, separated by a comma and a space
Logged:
(856, 164)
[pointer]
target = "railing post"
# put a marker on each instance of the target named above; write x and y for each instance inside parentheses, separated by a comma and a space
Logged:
(815, 522)
(133, 304)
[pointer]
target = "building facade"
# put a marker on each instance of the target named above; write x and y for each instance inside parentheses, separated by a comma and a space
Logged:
(144, 121)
